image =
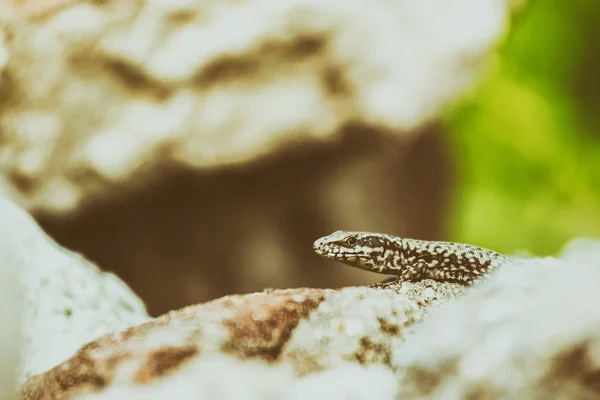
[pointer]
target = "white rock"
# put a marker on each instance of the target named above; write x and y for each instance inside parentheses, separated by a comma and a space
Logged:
(68, 301)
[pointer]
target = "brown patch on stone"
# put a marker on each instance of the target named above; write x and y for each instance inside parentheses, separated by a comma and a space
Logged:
(163, 361)
(82, 372)
(575, 366)
(259, 326)
(483, 391)
(130, 77)
(260, 62)
(227, 69)
(39, 9)
(371, 352)
(425, 380)
(267, 322)
(22, 182)
(335, 83)
(388, 327)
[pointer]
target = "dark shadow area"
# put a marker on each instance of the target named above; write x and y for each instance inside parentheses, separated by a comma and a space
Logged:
(194, 236)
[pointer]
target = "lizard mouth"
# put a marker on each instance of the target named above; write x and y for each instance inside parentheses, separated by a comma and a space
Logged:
(338, 255)
(335, 253)
(353, 257)
(345, 257)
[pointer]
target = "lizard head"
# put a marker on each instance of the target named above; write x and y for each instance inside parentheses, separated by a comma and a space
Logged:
(364, 250)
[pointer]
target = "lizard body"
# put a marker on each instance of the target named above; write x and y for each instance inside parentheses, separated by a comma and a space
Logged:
(411, 259)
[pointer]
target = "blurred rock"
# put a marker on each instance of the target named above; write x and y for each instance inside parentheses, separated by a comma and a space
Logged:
(198, 148)
(98, 96)
(67, 300)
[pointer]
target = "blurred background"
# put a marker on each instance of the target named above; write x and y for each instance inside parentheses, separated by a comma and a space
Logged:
(195, 162)
(528, 143)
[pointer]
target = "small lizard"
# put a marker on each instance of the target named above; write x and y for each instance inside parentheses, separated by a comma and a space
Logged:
(413, 260)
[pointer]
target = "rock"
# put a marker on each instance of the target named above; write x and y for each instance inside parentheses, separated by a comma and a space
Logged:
(229, 379)
(121, 93)
(292, 333)
(67, 300)
(531, 332)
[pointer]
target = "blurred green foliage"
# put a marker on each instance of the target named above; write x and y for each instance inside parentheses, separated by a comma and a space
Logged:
(528, 142)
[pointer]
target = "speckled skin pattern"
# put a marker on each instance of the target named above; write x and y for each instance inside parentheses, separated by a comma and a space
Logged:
(413, 260)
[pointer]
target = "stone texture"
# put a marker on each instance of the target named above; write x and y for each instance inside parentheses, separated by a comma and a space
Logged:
(229, 379)
(531, 331)
(301, 330)
(67, 300)
(121, 92)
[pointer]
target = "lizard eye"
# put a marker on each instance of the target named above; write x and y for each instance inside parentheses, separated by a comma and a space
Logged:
(351, 241)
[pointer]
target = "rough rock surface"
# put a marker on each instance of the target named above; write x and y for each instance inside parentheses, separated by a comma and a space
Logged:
(120, 91)
(67, 300)
(229, 379)
(531, 331)
(299, 330)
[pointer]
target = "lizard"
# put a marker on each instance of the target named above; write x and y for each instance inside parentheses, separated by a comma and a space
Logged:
(411, 259)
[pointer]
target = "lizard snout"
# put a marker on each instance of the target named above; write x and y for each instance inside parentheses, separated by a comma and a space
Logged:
(318, 246)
